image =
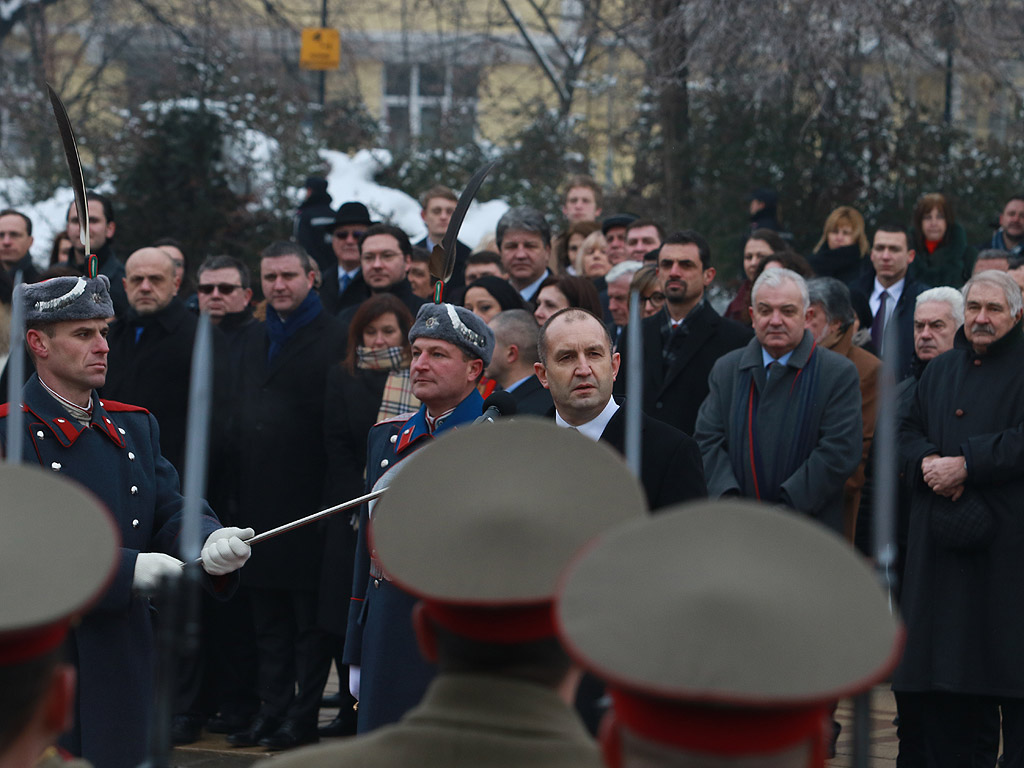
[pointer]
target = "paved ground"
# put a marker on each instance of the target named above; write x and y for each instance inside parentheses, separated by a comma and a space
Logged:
(213, 750)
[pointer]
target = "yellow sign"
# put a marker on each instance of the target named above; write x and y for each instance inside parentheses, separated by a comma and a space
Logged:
(321, 49)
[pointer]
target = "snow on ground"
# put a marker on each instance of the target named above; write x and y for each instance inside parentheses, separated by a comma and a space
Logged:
(351, 178)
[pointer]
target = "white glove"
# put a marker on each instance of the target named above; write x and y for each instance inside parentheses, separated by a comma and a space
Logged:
(150, 567)
(353, 680)
(225, 552)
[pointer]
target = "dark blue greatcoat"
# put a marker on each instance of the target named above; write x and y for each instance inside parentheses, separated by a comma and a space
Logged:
(118, 459)
(380, 637)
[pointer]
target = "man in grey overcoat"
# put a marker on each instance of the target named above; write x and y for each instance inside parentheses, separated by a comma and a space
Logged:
(782, 422)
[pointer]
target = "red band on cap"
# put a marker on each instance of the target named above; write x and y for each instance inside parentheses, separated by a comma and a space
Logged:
(717, 729)
(519, 624)
(19, 647)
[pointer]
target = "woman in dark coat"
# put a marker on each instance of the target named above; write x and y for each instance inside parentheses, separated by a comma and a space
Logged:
(941, 253)
(369, 385)
(843, 245)
(761, 244)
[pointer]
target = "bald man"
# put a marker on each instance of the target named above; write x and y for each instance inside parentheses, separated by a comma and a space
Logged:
(151, 348)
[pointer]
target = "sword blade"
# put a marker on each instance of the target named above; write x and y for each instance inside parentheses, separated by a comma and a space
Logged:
(313, 517)
(16, 376)
(67, 138)
(442, 259)
(197, 435)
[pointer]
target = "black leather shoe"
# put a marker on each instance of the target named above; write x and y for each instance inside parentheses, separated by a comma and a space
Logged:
(227, 723)
(289, 735)
(258, 729)
(331, 702)
(185, 729)
(342, 725)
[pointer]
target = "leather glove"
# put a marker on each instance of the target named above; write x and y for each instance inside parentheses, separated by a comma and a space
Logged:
(225, 552)
(151, 566)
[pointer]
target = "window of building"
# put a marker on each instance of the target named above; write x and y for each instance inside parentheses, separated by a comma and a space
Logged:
(429, 104)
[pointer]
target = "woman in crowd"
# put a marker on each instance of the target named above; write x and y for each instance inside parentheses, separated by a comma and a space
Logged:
(567, 246)
(60, 252)
(370, 384)
(489, 295)
(843, 245)
(760, 243)
(592, 259)
(645, 280)
(941, 253)
(566, 291)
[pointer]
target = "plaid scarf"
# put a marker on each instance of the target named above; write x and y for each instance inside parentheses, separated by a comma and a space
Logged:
(397, 396)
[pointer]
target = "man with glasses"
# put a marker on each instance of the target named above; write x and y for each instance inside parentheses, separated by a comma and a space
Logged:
(344, 287)
(385, 255)
(682, 342)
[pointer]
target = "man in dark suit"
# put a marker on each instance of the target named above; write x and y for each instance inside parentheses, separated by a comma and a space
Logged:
(438, 206)
(280, 418)
(578, 367)
(150, 359)
(682, 342)
(524, 242)
(344, 287)
(15, 241)
(515, 353)
(891, 294)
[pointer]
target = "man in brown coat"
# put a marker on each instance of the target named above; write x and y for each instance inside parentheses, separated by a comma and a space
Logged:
(833, 321)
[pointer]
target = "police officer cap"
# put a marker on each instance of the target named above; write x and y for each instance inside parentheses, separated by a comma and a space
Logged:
(480, 524)
(58, 552)
(66, 298)
(456, 325)
(727, 627)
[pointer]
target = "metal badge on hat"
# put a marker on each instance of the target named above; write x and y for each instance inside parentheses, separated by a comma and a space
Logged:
(442, 258)
(67, 138)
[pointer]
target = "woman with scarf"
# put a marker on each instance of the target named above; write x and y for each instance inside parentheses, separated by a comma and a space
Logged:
(371, 384)
(941, 253)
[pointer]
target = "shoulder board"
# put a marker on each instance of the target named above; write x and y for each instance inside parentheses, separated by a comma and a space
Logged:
(112, 406)
(399, 419)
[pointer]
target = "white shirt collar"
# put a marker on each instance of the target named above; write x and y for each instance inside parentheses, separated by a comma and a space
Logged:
(895, 291)
(596, 426)
(528, 291)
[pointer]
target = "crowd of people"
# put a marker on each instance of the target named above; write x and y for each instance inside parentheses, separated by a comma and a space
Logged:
(346, 367)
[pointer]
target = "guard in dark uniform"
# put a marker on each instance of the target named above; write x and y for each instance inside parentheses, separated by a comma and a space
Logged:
(725, 632)
(480, 552)
(450, 349)
(112, 449)
(58, 552)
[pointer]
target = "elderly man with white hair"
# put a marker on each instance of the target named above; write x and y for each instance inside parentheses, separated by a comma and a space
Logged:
(782, 422)
(964, 443)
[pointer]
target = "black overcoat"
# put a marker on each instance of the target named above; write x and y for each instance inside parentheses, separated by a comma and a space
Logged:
(282, 461)
(965, 629)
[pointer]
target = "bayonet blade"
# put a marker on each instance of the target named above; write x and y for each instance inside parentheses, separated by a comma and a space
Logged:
(67, 138)
(442, 259)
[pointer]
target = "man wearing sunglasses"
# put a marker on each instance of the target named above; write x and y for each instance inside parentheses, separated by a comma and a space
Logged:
(345, 287)
(682, 342)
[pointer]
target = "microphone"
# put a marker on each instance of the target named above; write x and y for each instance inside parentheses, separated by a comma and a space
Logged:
(500, 403)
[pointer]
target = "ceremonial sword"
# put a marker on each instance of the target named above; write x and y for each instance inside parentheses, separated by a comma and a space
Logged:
(442, 258)
(67, 139)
